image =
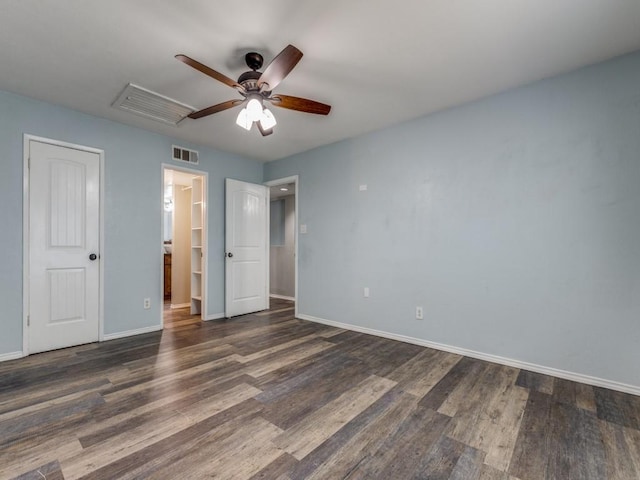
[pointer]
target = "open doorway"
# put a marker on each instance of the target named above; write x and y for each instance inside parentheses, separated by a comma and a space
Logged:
(283, 240)
(183, 245)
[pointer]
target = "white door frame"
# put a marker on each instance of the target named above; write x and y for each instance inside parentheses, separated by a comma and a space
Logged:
(205, 232)
(282, 181)
(26, 195)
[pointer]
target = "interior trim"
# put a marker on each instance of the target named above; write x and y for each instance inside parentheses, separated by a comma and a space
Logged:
(282, 297)
(131, 333)
(179, 305)
(510, 362)
(5, 357)
(295, 179)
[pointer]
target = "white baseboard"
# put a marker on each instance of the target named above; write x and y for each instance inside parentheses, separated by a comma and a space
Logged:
(130, 333)
(180, 305)
(215, 316)
(510, 362)
(5, 357)
(282, 297)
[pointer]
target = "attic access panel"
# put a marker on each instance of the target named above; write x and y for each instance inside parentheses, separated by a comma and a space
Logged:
(144, 102)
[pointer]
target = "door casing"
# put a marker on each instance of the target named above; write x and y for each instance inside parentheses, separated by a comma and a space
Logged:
(282, 181)
(205, 230)
(27, 138)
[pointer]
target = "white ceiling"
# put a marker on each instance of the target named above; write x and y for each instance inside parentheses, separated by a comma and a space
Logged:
(377, 62)
(277, 192)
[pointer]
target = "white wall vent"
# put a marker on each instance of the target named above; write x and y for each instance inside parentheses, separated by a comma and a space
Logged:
(185, 155)
(152, 105)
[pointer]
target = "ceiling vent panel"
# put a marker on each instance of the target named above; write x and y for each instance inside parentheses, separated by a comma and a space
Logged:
(138, 100)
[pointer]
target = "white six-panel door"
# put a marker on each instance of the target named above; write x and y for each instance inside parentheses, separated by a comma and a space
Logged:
(64, 263)
(246, 268)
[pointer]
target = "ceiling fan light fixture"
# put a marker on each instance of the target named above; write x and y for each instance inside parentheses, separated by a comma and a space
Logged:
(267, 120)
(256, 87)
(254, 110)
(243, 120)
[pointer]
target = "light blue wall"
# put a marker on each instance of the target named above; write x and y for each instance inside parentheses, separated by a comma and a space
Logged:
(514, 221)
(133, 208)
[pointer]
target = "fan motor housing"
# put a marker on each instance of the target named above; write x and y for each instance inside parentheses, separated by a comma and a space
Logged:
(251, 77)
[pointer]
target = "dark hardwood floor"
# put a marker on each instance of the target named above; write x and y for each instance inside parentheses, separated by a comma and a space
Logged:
(267, 396)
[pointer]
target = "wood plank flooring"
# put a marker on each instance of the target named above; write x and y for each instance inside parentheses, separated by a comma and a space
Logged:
(267, 396)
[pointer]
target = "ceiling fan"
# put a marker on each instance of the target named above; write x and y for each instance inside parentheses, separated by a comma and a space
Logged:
(256, 88)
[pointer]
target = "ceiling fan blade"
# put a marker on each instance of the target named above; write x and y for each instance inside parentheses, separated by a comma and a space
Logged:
(280, 67)
(300, 104)
(264, 132)
(215, 109)
(209, 71)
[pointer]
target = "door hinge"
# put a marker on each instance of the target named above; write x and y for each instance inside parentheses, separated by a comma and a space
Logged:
(29, 163)
(28, 320)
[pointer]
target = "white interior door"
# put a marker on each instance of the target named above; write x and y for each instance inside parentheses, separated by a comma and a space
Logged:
(247, 265)
(64, 262)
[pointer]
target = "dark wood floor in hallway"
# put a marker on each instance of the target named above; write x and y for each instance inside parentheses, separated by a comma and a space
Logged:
(267, 396)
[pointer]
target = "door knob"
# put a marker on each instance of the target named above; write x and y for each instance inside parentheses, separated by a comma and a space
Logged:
(93, 256)
(229, 254)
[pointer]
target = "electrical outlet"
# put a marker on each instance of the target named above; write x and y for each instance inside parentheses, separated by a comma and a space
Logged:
(419, 313)
(147, 303)
(366, 292)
